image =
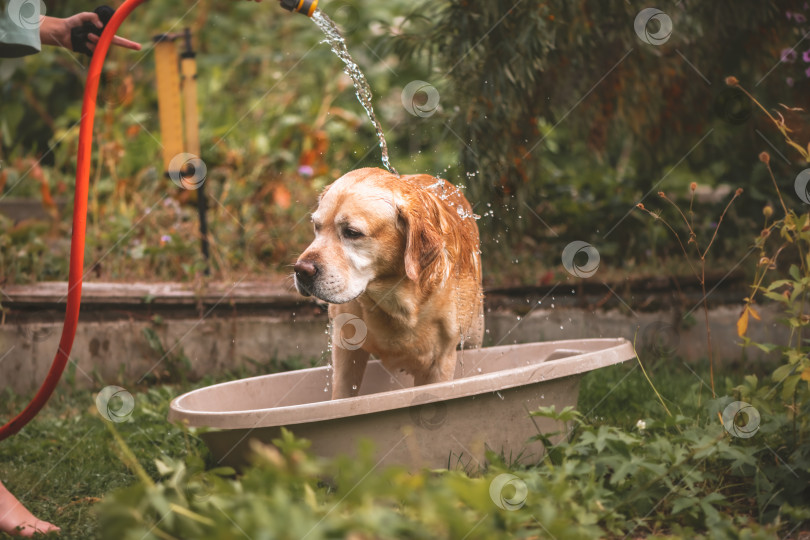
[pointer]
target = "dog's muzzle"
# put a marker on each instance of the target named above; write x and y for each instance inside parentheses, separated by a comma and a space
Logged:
(305, 274)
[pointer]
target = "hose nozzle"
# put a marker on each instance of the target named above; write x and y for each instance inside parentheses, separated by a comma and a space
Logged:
(307, 7)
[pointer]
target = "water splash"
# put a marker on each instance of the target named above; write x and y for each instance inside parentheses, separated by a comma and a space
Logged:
(362, 90)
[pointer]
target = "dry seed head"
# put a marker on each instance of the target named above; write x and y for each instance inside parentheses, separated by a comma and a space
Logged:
(693, 186)
(732, 81)
(767, 211)
(765, 157)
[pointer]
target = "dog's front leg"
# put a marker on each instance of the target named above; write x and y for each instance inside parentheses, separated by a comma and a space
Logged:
(442, 370)
(348, 367)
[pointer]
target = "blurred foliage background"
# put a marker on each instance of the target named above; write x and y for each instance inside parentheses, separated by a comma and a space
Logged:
(556, 117)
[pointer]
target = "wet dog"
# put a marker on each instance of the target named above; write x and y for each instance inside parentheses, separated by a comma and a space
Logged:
(398, 260)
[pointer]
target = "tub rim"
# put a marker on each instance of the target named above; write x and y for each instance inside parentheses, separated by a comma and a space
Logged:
(614, 351)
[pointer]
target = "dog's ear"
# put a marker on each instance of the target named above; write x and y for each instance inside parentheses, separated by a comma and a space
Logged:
(423, 239)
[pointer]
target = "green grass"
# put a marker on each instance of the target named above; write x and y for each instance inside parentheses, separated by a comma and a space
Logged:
(66, 459)
(620, 395)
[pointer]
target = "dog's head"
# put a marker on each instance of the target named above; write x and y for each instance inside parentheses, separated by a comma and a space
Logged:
(370, 226)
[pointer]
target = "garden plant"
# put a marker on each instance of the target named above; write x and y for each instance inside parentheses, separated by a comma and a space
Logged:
(562, 124)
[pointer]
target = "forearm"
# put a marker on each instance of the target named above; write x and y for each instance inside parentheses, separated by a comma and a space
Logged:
(52, 31)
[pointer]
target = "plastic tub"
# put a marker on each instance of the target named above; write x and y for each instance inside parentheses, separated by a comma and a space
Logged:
(439, 425)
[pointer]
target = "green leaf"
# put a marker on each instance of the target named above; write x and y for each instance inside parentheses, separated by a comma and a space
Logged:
(776, 296)
(683, 503)
(794, 272)
(789, 386)
(778, 283)
(568, 414)
(782, 372)
(766, 347)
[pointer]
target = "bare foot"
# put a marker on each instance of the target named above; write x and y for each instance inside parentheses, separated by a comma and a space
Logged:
(16, 520)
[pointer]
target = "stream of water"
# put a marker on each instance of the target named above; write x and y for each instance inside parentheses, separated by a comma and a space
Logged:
(363, 92)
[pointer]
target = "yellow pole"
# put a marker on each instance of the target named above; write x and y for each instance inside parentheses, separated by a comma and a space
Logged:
(188, 68)
(169, 107)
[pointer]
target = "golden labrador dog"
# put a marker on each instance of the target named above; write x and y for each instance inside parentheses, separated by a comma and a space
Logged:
(401, 254)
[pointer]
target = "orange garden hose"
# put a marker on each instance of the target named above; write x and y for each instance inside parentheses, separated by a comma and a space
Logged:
(79, 224)
(83, 157)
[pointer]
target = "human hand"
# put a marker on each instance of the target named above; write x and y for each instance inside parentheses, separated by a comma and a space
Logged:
(55, 31)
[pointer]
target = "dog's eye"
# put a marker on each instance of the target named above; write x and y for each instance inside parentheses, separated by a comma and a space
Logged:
(348, 232)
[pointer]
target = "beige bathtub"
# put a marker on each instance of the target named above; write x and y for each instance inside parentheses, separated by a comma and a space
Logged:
(439, 425)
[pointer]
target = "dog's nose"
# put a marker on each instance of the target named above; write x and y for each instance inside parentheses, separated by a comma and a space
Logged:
(305, 269)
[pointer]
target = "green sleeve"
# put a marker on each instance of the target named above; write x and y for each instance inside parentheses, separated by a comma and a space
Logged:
(19, 28)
